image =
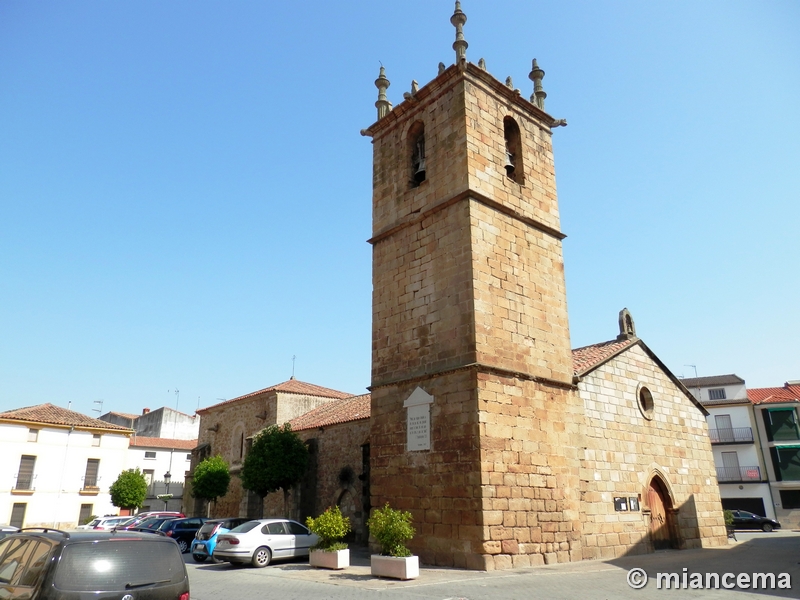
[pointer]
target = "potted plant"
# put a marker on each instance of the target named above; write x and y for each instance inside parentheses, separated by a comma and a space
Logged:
(392, 529)
(330, 552)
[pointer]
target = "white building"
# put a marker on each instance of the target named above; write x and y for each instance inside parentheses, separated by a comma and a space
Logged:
(57, 466)
(164, 463)
(777, 422)
(736, 442)
(163, 422)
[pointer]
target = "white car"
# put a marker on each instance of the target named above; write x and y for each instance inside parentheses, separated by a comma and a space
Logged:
(258, 542)
(103, 523)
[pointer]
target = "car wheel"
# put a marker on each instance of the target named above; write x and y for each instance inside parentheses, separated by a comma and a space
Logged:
(199, 557)
(183, 546)
(767, 527)
(261, 557)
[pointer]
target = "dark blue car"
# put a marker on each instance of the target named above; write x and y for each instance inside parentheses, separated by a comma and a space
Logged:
(206, 538)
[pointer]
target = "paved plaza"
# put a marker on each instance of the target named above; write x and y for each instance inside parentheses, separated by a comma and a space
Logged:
(778, 552)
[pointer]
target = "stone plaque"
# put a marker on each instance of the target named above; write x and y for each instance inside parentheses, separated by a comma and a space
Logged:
(418, 420)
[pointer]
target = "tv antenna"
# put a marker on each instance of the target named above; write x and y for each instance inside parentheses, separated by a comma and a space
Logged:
(293, 359)
(99, 411)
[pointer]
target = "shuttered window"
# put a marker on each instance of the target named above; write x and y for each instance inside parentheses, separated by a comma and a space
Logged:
(25, 473)
(92, 467)
(86, 512)
(18, 514)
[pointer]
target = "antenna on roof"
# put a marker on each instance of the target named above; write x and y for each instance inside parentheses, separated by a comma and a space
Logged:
(293, 359)
(98, 410)
(695, 369)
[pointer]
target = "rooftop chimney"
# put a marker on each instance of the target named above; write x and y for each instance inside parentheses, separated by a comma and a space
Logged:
(145, 411)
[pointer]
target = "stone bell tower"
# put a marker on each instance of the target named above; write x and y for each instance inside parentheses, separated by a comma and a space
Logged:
(476, 425)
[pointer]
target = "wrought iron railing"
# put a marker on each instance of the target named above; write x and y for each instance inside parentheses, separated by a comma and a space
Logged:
(732, 435)
(738, 474)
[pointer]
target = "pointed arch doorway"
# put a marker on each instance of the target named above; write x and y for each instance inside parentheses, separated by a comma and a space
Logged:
(662, 515)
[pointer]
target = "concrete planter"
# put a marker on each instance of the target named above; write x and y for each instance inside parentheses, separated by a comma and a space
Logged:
(330, 560)
(397, 567)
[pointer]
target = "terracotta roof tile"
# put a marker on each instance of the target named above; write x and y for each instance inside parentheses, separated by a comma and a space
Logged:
(588, 357)
(341, 411)
(55, 415)
(293, 386)
(787, 393)
(141, 441)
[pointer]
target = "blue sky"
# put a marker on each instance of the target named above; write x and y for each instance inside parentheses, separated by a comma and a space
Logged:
(185, 198)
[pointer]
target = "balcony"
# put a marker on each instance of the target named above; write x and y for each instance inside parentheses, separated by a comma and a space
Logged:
(738, 474)
(24, 486)
(734, 435)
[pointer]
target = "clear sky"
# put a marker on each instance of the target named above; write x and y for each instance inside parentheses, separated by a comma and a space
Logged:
(185, 198)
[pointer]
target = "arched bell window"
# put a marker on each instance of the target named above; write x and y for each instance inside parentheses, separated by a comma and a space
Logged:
(416, 150)
(513, 150)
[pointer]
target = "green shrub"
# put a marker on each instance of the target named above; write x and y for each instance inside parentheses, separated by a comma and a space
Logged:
(392, 528)
(728, 517)
(331, 526)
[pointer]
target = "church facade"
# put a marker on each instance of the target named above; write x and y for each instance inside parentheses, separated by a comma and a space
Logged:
(509, 448)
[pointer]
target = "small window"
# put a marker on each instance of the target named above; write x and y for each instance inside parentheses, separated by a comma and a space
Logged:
(96, 439)
(33, 435)
(189, 456)
(149, 454)
(646, 402)
(416, 140)
(716, 394)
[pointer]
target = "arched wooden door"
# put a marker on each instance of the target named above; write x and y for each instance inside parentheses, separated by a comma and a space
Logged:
(660, 515)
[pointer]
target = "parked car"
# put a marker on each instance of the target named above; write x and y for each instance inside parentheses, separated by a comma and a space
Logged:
(151, 525)
(260, 541)
(206, 538)
(103, 523)
(7, 530)
(182, 530)
(137, 520)
(48, 564)
(743, 519)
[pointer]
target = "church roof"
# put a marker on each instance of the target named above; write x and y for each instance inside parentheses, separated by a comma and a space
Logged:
(343, 411)
(790, 392)
(292, 386)
(588, 358)
(50, 414)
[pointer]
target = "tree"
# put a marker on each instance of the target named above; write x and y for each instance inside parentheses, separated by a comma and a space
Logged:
(277, 460)
(211, 479)
(129, 490)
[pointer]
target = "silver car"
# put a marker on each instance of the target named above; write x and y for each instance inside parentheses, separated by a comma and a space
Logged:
(259, 542)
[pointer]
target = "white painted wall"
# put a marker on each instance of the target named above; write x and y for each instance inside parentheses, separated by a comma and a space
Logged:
(176, 462)
(61, 456)
(741, 416)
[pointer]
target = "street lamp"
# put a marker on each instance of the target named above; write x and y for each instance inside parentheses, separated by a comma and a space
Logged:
(167, 479)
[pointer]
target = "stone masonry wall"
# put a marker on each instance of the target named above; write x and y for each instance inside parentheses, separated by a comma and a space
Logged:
(441, 487)
(240, 420)
(338, 447)
(531, 437)
(623, 450)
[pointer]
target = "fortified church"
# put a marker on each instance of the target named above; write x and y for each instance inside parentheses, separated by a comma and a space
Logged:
(509, 448)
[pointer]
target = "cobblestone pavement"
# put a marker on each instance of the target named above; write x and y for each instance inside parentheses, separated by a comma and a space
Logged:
(777, 552)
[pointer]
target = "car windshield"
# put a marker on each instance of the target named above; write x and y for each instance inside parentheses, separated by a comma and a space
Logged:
(114, 564)
(128, 522)
(245, 527)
